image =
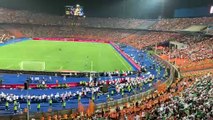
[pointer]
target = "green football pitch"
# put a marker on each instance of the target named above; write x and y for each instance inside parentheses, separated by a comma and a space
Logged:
(61, 56)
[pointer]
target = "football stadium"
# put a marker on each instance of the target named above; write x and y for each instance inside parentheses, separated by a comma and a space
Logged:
(106, 60)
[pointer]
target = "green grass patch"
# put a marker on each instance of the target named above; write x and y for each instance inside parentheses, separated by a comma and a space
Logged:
(59, 56)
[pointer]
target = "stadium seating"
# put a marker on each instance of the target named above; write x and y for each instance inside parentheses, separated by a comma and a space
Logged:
(196, 56)
(173, 106)
(180, 23)
(26, 17)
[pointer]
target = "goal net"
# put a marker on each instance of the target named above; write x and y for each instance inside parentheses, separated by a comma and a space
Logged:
(32, 65)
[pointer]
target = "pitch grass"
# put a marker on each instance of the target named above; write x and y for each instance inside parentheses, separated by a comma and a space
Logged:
(61, 56)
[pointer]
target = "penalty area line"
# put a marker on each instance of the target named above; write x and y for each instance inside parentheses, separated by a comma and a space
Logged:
(9, 66)
(61, 67)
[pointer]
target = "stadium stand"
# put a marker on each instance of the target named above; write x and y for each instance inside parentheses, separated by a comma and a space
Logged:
(160, 92)
(180, 23)
(5, 36)
(197, 54)
(180, 103)
(25, 17)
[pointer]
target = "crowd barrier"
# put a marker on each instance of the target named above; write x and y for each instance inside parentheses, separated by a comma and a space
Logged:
(48, 86)
(35, 86)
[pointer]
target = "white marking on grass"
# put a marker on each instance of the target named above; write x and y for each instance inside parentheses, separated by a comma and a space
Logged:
(9, 66)
(120, 59)
(91, 65)
(61, 67)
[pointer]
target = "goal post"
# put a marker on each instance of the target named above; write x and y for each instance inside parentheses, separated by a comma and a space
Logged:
(32, 65)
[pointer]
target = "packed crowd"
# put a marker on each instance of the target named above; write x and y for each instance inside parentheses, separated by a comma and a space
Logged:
(185, 106)
(145, 39)
(26, 17)
(5, 36)
(138, 39)
(118, 23)
(198, 48)
(180, 101)
(77, 32)
(197, 54)
(180, 23)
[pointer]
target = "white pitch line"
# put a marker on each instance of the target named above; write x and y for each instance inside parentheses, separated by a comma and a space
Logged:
(9, 66)
(120, 59)
(91, 65)
(60, 67)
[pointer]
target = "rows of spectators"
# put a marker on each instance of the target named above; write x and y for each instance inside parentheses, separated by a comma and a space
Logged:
(5, 36)
(77, 32)
(159, 105)
(180, 23)
(198, 48)
(180, 102)
(188, 98)
(118, 23)
(144, 39)
(26, 17)
(197, 53)
(138, 39)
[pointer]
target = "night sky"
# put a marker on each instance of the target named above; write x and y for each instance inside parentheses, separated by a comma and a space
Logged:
(108, 8)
